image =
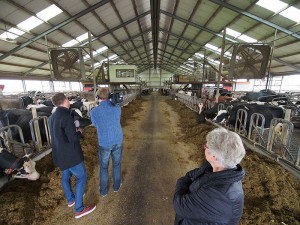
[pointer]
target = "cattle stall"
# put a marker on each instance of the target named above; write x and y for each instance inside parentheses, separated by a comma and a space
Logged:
(279, 143)
(26, 132)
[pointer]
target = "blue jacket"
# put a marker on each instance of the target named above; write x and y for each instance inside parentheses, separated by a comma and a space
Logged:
(203, 197)
(66, 149)
(107, 120)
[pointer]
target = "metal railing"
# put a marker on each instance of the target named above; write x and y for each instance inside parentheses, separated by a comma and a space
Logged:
(12, 139)
(257, 135)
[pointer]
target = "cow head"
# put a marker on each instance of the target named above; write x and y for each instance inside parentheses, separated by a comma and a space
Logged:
(30, 171)
(221, 117)
(278, 129)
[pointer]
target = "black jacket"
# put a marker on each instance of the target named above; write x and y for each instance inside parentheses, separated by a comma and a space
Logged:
(66, 149)
(203, 197)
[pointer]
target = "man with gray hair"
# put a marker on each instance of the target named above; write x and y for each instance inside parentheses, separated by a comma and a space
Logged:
(213, 193)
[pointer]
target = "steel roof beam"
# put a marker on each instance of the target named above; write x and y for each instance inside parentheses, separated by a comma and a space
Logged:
(155, 15)
(268, 23)
(297, 68)
(16, 76)
(116, 28)
(132, 38)
(201, 46)
(196, 25)
(78, 15)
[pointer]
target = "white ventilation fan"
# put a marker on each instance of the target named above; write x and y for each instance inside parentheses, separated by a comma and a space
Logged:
(249, 61)
(67, 64)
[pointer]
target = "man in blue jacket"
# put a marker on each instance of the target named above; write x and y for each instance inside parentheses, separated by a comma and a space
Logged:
(67, 154)
(106, 118)
(213, 193)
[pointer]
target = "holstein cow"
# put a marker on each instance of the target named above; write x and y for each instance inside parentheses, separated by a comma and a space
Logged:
(210, 113)
(264, 96)
(269, 112)
(22, 117)
(12, 167)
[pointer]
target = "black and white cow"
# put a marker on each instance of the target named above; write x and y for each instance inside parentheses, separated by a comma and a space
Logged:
(269, 112)
(12, 167)
(264, 96)
(22, 117)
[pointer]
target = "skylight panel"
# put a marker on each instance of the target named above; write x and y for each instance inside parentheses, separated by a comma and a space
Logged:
(83, 37)
(12, 33)
(30, 23)
(103, 49)
(49, 12)
(211, 47)
(291, 13)
(184, 67)
(232, 33)
(246, 38)
(113, 57)
(70, 43)
(97, 52)
(216, 62)
(110, 58)
(97, 64)
(272, 5)
(199, 55)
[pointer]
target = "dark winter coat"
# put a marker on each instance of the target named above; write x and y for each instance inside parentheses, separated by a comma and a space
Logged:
(66, 150)
(203, 197)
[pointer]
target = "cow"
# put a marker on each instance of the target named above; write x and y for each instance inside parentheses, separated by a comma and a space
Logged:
(206, 112)
(264, 96)
(269, 112)
(27, 100)
(22, 117)
(12, 167)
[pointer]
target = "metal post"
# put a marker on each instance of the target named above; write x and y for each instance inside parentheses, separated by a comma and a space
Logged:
(271, 55)
(160, 76)
(92, 61)
(50, 67)
(220, 66)
(24, 86)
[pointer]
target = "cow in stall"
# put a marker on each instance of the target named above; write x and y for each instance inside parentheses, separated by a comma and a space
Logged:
(12, 167)
(26, 100)
(269, 112)
(22, 117)
(83, 105)
(209, 110)
(264, 96)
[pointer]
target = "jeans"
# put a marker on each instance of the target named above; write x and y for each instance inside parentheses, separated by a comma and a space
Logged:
(104, 154)
(80, 174)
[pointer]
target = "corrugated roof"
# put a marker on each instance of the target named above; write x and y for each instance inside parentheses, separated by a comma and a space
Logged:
(148, 34)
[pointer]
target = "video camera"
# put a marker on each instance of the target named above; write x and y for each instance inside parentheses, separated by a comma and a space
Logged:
(116, 98)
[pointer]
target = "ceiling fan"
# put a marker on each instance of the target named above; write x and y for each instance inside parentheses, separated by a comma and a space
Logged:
(249, 61)
(67, 64)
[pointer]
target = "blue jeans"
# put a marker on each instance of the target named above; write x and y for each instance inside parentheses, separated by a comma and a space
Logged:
(80, 174)
(104, 154)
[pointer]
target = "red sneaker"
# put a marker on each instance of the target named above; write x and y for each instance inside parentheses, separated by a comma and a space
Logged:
(70, 204)
(85, 211)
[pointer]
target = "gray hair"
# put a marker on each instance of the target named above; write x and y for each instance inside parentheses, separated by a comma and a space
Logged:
(226, 145)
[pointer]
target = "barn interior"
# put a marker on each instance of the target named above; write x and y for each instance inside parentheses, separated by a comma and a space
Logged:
(158, 54)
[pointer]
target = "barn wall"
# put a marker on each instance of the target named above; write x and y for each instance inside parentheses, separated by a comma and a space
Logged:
(155, 78)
